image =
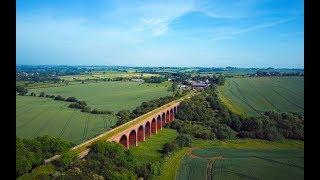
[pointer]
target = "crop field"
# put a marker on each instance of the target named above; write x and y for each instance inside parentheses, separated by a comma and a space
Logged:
(255, 95)
(37, 116)
(112, 96)
(107, 74)
(227, 162)
(148, 151)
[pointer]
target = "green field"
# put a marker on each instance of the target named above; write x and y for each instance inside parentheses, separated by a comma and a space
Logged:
(148, 151)
(112, 96)
(107, 74)
(244, 159)
(37, 116)
(255, 95)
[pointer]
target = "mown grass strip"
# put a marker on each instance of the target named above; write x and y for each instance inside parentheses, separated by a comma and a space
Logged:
(172, 165)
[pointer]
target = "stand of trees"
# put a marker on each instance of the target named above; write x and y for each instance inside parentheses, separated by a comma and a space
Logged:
(155, 79)
(203, 116)
(276, 73)
(32, 153)
(21, 90)
(106, 160)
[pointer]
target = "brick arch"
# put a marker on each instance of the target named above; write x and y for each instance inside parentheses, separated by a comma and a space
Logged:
(132, 138)
(140, 133)
(167, 116)
(171, 115)
(159, 126)
(147, 129)
(153, 126)
(163, 118)
(124, 140)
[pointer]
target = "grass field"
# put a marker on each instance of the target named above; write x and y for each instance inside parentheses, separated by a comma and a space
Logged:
(243, 159)
(37, 116)
(107, 74)
(148, 151)
(112, 96)
(255, 95)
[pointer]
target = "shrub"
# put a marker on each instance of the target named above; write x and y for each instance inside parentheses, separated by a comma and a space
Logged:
(169, 148)
(224, 132)
(71, 99)
(21, 90)
(86, 109)
(66, 159)
(59, 98)
(41, 94)
(184, 140)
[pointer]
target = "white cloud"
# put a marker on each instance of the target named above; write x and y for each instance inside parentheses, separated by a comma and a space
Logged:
(227, 34)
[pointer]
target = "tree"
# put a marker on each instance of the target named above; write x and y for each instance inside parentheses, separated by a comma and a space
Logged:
(184, 140)
(174, 87)
(124, 116)
(21, 90)
(168, 148)
(24, 158)
(41, 94)
(66, 158)
(71, 99)
(59, 98)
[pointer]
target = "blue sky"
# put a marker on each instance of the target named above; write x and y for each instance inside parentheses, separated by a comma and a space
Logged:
(215, 33)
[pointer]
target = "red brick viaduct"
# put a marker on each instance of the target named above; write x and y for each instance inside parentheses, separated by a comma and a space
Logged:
(144, 129)
(135, 131)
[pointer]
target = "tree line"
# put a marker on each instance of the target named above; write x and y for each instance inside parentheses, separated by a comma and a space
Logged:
(74, 102)
(126, 116)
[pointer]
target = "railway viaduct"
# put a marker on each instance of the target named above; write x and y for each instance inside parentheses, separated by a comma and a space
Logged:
(135, 131)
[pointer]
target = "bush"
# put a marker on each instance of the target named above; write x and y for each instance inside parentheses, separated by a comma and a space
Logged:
(52, 96)
(59, 98)
(41, 94)
(75, 105)
(223, 132)
(21, 90)
(124, 116)
(86, 109)
(184, 140)
(48, 96)
(66, 159)
(33, 94)
(168, 148)
(95, 111)
(71, 99)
